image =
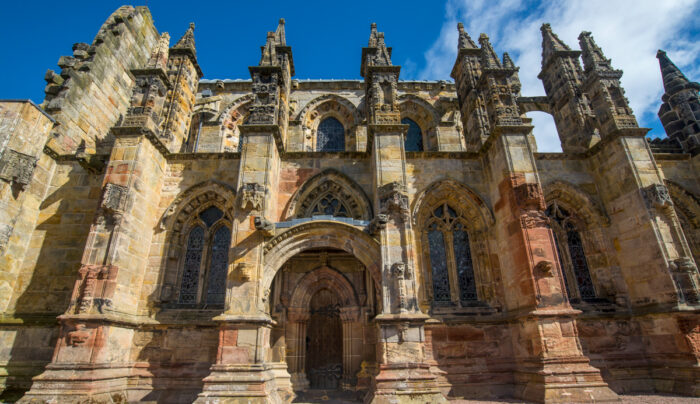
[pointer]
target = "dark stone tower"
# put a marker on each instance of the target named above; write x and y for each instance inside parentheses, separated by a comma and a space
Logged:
(563, 77)
(680, 111)
(602, 85)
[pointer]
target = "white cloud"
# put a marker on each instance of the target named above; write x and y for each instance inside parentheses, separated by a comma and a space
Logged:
(628, 31)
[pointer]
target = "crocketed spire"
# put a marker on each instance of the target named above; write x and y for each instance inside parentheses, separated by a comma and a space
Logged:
(489, 59)
(187, 40)
(674, 79)
(593, 57)
(465, 41)
(159, 55)
(274, 39)
(553, 46)
(382, 54)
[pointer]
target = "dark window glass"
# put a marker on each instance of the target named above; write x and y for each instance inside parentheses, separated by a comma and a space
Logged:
(330, 135)
(574, 244)
(465, 268)
(211, 215)
(414, 136)
(218, 264)
(580, 265)
(438, 264)
(330, 205)
(190, 274)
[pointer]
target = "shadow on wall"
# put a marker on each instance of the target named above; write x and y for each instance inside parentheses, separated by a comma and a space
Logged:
(54, 256)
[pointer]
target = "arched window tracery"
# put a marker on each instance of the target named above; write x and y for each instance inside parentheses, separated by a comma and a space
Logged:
(450, 257)
(414, 136)
(330, 135)
(205, 260)
(577, 275)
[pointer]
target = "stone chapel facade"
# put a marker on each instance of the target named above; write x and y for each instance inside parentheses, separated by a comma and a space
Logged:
(167, 238)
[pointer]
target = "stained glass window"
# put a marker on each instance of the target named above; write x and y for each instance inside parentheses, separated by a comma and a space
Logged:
(206, 257)
(414, 136)
(465, 268)
(566, 228)
(193, 259)
(330, 205)
(447, 232)
(330, 135)
(438, 263)
(218, 264)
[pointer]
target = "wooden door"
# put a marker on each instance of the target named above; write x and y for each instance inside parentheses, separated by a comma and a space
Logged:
(324, 342)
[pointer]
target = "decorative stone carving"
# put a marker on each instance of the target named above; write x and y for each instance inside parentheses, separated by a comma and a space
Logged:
(657, 196)
(95, 287)
(399, 270)
(17, 167)
(534, 219)
(265, 226)
(529, 196)
(544, 269)
(393, 198)
(252, 196)
(5, 233)
(114, 198)
(244, 272)
(377, 224)
(79, 336)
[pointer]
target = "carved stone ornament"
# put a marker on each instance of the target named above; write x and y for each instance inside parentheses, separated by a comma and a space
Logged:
(95, 287)
(17, 167)
(657, 196)
(114, 198)
(5, 233)
(545, 269)
(377, 224)
(265, 226)
(79, 336)
(399, 270)
(684, 264)
(529, 196)
(402, 329)
(534, 219)
(393, 198)
(252, 196)
(244, 272)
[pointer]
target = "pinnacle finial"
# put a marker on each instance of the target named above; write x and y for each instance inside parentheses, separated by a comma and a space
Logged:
(465, 41)
(187, 40)
(593, 57)
(489, 59)
(551, 44)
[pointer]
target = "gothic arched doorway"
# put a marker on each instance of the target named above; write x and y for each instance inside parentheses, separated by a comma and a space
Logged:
(324, 341)
(323, 300)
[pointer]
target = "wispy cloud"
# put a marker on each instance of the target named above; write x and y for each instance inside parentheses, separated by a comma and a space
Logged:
(628, 31)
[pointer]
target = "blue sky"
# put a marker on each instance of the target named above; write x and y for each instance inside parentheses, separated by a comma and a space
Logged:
(327, 37)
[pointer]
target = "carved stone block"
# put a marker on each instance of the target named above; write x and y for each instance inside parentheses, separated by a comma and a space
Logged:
(657, 196)
(529, 196)
(377, 224)
(95, 288)
(393, 198)
(252, 196)
(17, 167)
(114, 198)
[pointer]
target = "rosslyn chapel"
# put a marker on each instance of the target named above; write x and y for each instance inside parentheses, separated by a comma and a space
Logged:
(168, 238)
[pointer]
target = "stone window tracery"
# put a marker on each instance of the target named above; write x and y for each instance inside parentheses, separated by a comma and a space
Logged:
(414, 136)
(205, 260)
(330, 135)
(577, 276)
(450, 257)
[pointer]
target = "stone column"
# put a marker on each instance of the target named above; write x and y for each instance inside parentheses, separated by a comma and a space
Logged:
(351, 354)
(296, 349)
(550, 364)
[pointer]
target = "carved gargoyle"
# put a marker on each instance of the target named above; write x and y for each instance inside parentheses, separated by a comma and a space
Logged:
(265, 226)
(377, 224)
(544, 269)
(657, 196)
(393, 198)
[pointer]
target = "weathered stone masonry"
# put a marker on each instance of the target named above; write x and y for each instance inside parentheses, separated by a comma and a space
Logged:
(168, 238)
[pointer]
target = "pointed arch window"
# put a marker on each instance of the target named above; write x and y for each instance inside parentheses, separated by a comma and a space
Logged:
(452, 268)
(205, 260)
(414, 136)
(577, 276)
(330, 135)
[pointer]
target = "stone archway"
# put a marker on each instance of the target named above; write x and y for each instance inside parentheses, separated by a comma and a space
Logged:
(324, 269)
